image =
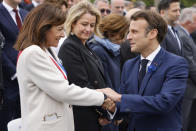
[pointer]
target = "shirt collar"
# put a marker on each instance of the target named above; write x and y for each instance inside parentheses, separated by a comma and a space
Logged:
(152, 55)
(169, 26)
(35, 3)
(8, 7)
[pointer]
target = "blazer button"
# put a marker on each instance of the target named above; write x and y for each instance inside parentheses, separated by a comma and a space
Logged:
(96, 82)
(70, 106)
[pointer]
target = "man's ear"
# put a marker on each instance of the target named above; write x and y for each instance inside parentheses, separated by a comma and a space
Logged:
(153, 33)
(188, 22)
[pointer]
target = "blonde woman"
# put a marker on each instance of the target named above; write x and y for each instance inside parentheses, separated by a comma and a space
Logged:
(83, 67)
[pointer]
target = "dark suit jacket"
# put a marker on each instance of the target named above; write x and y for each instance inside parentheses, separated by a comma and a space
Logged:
(189, 49)
(84, 69)
(170, 44)
(157, 104)
(10, 32)
(1, 73)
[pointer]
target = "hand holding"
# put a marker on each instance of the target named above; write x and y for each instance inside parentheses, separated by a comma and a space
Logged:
(103, 121)
(109, 105)
(111, 94)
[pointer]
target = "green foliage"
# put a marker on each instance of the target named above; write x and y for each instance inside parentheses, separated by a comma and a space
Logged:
(184, 3)
(149, 2)
(188, 3)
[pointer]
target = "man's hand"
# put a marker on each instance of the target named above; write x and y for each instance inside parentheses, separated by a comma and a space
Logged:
(109, 105)
(111, 94)
(103, 121)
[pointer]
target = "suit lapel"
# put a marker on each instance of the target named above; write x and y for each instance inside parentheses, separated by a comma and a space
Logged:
(8, 17)
(181, 42)
(96, 61)
(156, 62)
(175, 40)
(136, 73)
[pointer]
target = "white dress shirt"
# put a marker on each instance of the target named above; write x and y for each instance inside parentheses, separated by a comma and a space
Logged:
(151, 57)
(11, 12)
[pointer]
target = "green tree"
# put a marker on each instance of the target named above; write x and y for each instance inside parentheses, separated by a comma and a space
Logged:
(184, 3)
(188, 3)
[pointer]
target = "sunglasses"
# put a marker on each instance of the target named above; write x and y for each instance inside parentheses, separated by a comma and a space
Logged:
(105, 10)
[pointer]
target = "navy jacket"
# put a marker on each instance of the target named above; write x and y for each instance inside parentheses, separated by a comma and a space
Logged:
(111, 63)
(9, 55)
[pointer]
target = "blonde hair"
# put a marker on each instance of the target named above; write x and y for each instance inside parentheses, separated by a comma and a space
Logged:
(76, 11)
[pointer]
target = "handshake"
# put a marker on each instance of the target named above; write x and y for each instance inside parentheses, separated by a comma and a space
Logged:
(109, 103)
(112, 98)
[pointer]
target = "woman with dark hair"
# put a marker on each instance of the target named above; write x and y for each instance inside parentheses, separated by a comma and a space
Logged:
(46, 96)
(113, 28)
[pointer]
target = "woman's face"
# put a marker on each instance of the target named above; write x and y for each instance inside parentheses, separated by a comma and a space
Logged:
(54, 35)
(84, 27)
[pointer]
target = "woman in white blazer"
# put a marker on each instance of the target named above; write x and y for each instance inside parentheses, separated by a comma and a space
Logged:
(46, 96)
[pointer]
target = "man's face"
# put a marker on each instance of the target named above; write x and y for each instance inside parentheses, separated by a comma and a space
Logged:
(117, 7)
(192, 25)
(172, 14)
(137, 36)
(103, 8)
(13, 2)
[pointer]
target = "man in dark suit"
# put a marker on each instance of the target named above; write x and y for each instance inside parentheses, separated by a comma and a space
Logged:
(11, 17)
(170, 11)
(187, 25)
(153, 83)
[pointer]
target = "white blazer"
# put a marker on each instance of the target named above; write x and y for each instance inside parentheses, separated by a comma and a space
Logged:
(46, 96)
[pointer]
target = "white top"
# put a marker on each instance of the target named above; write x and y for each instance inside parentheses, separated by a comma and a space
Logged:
(46, 95)
(35, 3)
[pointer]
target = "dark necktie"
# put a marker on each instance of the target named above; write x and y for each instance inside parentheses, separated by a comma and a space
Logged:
(142, 71)
(18, 21)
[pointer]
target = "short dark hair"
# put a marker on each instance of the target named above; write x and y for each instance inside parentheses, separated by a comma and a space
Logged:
(164, 4)
(154, 20)
(37, 23)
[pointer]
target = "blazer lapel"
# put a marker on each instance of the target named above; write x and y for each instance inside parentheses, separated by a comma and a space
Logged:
(88, 53)
(175, 40)
(156, 62)
(97, 61)
(181, 42)
(9, 19)
(136, 72)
